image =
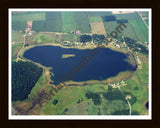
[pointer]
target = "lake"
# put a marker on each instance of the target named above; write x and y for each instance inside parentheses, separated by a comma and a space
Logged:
(88, 64)
(147, 105)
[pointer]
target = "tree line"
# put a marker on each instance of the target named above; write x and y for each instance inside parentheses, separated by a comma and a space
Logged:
(24, 77)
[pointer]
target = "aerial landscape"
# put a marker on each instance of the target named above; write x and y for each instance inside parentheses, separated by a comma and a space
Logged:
(80, 63)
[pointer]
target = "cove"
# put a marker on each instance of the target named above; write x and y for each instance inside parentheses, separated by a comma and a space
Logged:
(107, 63)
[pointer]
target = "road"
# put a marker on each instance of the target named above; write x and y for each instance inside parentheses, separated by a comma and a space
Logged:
(143, 20)
(130, 108)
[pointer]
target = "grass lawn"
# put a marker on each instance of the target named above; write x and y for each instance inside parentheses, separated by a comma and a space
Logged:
(95, 19)
(68, 22)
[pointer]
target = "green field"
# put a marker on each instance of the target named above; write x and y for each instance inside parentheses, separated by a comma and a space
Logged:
(138, 85)
(68, 22)
(19, 25)
(135, 29)
(70, 37)
(15, 50)
(110, 26)
(39, 16)
(52, 23)
(82, 22)
(95, 19)
(129, 16)
(99, 13)
(140, 29)
(94, 99)
(43, 39)
(147, 21)
(17, 36)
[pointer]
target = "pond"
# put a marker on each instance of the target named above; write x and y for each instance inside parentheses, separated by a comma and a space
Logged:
(82, 65)
(147, 105)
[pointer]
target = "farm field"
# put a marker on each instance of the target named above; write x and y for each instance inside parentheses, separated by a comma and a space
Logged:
(135, 29)
(95, 19)
(19, 25)
(98, 28)
(82, 22)
(19, 21)
(99, 13)
(140, 29)
(110, 26)
(17, 37)
(68, 22)
(52, 23)
(33, 16)
(129, 16)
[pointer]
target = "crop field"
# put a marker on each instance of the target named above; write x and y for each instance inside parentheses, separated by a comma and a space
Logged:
(99, 13)
(19, 21)
(33, 16)
(95, 19)
(17, 36)
(135, 29)
(52, 23)
(19, 25)
(82, 22)
(98, 28)
(140, 29)
(129, 16)
(110, 26)
(68, 22)
(129, 32)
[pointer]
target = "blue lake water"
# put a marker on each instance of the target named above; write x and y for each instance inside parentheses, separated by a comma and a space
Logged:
(97, 64)
(147, 105)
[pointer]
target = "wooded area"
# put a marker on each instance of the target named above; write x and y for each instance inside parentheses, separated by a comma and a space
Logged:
(24, 77)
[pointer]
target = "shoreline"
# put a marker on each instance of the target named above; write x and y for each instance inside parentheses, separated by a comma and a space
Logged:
(120, 76)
